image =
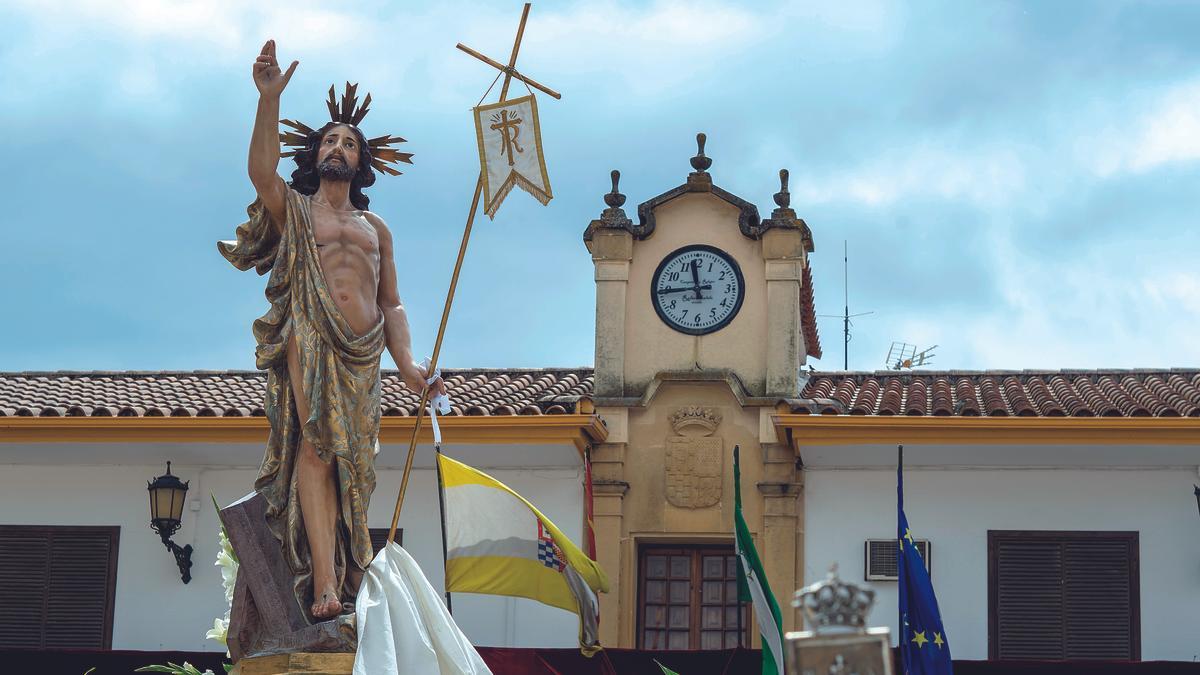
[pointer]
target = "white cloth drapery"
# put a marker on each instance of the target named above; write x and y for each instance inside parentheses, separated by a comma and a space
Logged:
(404, 626)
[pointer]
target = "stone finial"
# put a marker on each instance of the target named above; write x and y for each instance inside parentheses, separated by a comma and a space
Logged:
(615, 199)
(700, 162)
(614, 215)
(783, 215)
(783, 198)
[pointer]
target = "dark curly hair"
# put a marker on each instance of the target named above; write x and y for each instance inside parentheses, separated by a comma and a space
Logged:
(306, 179)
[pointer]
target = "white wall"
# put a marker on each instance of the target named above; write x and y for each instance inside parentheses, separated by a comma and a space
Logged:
(156, 611)
(955, 510)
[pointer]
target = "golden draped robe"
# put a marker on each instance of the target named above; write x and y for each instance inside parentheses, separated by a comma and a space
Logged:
(339, 375)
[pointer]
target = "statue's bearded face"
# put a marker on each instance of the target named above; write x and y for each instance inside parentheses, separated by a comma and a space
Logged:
(338, 154)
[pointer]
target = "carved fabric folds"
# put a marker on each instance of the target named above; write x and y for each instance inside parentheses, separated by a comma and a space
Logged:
(340, 380)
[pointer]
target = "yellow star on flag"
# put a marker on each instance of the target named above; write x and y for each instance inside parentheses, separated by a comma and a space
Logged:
(937, 639)
(908, 536)
(920, 639)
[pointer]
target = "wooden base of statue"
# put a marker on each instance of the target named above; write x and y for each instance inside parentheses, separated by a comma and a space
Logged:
(296, 664)
(265, 620)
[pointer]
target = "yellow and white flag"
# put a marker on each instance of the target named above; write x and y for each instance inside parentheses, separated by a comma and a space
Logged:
(510, 151)
(497, 543)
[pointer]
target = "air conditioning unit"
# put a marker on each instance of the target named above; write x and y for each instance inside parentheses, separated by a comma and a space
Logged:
(880, 558)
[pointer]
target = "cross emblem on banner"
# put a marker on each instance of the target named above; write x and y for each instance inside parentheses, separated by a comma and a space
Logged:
(509, 127)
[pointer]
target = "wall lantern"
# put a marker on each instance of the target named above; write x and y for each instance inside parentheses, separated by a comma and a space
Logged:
(167, 494)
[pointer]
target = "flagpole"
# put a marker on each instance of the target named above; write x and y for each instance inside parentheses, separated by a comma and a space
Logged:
(442, 511)
(741, 605)
(437, 345)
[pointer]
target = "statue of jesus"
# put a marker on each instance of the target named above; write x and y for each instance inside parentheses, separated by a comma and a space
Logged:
(334, 308)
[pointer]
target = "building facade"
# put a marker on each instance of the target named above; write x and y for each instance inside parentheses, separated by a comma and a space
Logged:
(1055, 507)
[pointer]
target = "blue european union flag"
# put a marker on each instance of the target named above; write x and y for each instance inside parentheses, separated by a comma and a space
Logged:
(924, 647)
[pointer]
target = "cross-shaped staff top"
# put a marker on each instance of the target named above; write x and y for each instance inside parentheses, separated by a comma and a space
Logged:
(510, 71)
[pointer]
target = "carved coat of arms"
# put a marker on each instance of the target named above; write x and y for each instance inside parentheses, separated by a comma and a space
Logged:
(694, 458)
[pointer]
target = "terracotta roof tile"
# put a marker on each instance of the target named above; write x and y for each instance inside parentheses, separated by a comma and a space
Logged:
(808, 316)
(1076, 393)
(240, 393)
(495, 392)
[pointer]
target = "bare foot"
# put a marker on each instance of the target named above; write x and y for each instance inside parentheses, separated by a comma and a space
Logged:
(327, 606)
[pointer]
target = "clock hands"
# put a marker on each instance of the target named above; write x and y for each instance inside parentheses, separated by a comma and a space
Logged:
(664, 291)
(696, 278)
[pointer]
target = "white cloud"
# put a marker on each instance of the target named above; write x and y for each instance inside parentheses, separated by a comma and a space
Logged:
(643, 50)
(1092, 308)
(1167, 131)
(987, 176)
(648, 49)
(189, 24)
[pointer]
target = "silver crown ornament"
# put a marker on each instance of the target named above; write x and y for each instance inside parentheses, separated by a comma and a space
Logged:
(839, 641)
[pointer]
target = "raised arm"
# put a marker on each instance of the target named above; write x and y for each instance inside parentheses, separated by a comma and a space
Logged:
(264, 141)
(395, 320)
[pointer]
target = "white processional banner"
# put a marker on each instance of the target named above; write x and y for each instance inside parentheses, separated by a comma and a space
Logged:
(510, 151)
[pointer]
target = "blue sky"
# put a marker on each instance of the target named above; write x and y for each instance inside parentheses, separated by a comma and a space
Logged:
(1017, 182)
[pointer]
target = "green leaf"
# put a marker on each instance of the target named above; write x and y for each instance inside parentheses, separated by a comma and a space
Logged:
(666, 670)
(174, 669)
(228, 667)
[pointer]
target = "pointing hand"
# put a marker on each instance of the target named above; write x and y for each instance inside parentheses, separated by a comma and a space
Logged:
(267, 75)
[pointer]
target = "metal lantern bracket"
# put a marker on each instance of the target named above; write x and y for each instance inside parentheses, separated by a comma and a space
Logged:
(170, 492)
(183, 558)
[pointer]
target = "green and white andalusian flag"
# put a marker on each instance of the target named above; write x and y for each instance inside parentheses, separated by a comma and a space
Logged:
(753, 586)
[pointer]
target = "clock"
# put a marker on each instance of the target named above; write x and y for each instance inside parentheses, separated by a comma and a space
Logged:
(697, 289)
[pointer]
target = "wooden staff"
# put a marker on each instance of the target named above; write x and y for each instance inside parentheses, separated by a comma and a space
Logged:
(509, 72)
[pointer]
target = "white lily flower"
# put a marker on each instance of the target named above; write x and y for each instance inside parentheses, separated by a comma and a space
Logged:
(229, 569)
(219, 631)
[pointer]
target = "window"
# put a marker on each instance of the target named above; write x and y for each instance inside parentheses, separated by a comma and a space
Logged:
(687, 598)
(1063, 595)
(56, 586)
(379, 537)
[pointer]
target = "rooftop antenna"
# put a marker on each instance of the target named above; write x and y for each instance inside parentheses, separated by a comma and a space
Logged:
(846, 316)
(904, 356)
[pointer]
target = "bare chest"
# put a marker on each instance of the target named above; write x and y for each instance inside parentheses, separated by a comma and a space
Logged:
(344, 229)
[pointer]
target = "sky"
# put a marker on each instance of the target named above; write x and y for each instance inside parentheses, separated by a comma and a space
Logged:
(1016, 182)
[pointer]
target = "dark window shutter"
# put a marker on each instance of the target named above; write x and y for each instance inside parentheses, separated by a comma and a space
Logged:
(379, 537)
(1098, 599)
(24, 572)
(57, 586)
(1030, 600)
(1063, 595)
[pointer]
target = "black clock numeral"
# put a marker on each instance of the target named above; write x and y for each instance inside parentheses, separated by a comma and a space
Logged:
(673, 276)
(697, 319)
(713, 311)
(728, 288)
(722, 277)
(710, 267)
(672, 305)
(685, 313)
(723, 301)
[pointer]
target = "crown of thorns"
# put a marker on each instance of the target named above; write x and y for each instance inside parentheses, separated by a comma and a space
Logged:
(348, 112)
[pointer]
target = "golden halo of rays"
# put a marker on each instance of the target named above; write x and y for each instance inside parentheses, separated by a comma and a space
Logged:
(347, 111)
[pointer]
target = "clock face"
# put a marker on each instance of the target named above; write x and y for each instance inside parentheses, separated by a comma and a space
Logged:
(697, 289)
